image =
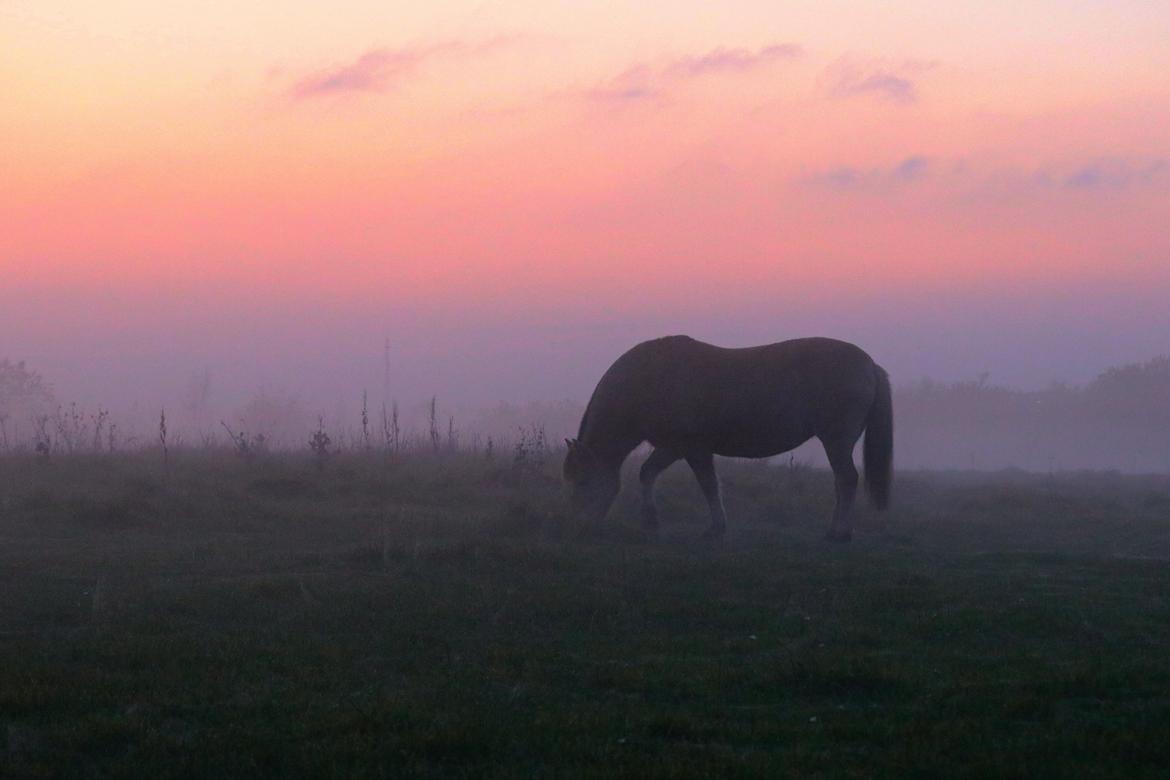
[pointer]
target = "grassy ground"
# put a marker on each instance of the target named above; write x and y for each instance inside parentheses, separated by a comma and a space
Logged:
(448, 618)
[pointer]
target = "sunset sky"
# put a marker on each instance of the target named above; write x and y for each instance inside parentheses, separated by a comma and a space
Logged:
(514, 192)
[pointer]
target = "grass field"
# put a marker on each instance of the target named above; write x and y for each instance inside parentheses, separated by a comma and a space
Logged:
(448, 618)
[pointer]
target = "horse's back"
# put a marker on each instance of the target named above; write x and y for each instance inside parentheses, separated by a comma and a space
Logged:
(682, 393)
(676, 364)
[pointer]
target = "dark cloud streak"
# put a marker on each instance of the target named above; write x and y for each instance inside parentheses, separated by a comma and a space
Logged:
(646, 82)
(895, 84)
(1116, 175)
(723, 60)
(1104, 175)
(911, 169)
(896, 88)
(379, 69)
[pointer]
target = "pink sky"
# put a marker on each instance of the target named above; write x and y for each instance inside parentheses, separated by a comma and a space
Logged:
(275, 188)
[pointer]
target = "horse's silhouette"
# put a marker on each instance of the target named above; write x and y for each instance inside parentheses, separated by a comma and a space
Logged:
(693, 401)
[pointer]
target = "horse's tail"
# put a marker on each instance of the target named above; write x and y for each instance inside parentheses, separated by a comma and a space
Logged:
(879, 443)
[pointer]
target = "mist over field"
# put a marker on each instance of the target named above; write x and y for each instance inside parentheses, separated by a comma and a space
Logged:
(1118, 419)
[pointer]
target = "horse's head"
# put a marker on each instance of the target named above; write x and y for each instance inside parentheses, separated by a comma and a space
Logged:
(593, 485)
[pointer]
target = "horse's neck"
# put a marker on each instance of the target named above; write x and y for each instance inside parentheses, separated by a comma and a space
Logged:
(608, 444)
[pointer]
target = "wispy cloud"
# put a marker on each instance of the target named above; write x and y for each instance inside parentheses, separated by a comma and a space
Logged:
(373, 71)
(913, 168)
(910, 169)
(894, 83)
(1115, 175)
(379, 69)
(724, 60)
(649, 81)
(634, 84)
(888, 85)
(1095, 176)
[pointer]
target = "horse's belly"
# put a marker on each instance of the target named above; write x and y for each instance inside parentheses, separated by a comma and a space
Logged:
(755, 422)
(759, 446)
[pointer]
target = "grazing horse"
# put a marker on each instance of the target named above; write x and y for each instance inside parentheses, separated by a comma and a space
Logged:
(693, 401)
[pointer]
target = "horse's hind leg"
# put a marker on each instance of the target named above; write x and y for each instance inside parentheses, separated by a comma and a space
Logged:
(658, 462)
(840, 452)
(703, 464)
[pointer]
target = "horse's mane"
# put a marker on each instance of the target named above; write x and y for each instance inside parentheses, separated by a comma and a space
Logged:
(584, 421)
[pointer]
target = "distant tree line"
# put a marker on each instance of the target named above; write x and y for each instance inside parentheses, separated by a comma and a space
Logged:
(1120, 420)
(25, 400)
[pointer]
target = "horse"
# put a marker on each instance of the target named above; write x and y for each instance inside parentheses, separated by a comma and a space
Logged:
(691, 401)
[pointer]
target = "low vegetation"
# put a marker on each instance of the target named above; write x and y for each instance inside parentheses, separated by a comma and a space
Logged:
(365, 616)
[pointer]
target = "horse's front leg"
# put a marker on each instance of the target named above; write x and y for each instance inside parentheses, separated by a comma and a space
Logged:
(660, 459)
(703, 464)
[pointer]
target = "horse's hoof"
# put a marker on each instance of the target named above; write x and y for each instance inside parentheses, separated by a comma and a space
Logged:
(838, 536)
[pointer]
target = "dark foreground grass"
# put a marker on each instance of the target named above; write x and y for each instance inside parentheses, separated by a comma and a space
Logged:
(448, 618)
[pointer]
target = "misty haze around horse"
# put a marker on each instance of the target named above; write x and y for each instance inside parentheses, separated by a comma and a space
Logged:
(1117, 419)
